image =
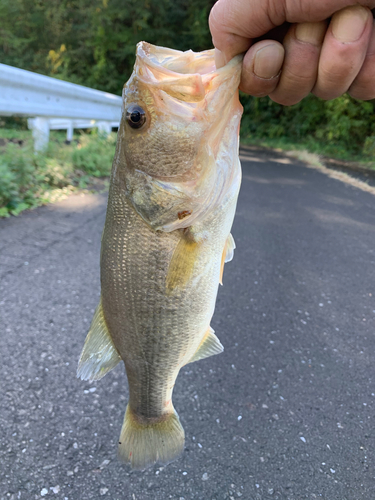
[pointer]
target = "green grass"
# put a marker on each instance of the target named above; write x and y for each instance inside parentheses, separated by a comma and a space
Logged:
(29, 180)
(312, 145)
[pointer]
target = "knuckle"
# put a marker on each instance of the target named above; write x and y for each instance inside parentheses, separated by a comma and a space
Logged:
(336, 71)
(298, 81)
(326, 95)
(214, 19)
(257, 89)
(362, 92)
(363, 86)
(215, 24)
(221, 16)
(253, 92)
(285, 99)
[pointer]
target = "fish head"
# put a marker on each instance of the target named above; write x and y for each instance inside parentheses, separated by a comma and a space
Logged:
(171, 105)
(177, 109)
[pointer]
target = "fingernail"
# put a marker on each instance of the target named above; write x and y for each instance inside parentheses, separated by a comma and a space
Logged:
(268, 61)
(219, 59)
(348, 24)
(311, 32)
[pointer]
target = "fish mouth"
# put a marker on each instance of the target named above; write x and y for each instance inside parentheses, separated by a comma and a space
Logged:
(187, 76)
(176, 61)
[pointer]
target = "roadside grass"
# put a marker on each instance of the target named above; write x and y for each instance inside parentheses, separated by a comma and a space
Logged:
(312, 160)
(29, 180)
(320, 149)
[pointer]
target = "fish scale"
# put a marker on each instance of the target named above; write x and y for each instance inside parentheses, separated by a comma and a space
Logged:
(175, 326)
(160, 270)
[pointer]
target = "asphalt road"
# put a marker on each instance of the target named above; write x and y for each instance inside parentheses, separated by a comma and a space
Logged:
(286, 412)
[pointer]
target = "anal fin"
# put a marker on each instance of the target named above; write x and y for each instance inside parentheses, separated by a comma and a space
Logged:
(209, 346)
(229, 247)
(99, 354)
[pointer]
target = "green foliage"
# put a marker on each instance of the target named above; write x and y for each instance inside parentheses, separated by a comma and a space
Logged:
(26, 175)
(349, 121)
(8, 185)
(95, 156)
(13, 122)
(341, 124)
(369, 146)
(29, 180)
(92, 42)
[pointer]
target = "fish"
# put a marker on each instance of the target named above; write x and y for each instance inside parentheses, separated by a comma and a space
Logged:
(172, 198)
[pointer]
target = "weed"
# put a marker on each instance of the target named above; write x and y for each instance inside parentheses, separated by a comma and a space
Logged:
(29, 179)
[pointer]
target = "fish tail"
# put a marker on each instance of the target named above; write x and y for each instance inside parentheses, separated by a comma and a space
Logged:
(142, 444)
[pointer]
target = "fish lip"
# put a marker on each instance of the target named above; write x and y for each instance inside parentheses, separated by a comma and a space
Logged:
(158, 57)
(168, 70)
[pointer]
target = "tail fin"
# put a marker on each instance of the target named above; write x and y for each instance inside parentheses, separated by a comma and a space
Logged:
(144, 444)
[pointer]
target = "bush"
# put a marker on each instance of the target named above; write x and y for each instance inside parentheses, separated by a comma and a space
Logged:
(23, 178)
(94, 155)
(29, 179)
(369, 146)
(8, 186)
(338, 126)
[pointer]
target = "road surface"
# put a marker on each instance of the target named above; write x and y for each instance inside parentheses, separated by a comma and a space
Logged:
(286, 412)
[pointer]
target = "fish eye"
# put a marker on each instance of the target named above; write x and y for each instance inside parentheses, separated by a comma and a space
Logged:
(135, 116)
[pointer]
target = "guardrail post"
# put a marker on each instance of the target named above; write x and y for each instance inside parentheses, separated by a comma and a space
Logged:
(104, 127)
(40, 128)
(69, 132)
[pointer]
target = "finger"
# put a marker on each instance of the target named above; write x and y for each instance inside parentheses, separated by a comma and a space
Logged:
(261, 68)
(229, 35)
(363, 86)
(302, 47)
(219, 59)
(234, 23)
(343, 52)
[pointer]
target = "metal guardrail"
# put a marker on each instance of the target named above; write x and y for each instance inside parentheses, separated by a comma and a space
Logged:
(24, 93)
(70, 125)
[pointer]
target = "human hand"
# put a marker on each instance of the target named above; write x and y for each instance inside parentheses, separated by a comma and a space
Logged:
(318, 55)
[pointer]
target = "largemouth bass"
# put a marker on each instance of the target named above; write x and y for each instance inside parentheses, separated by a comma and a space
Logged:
(173, 193)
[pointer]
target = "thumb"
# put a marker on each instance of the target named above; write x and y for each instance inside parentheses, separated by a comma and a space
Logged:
(228, 22)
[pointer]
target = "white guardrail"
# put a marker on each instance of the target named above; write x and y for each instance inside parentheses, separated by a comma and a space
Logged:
(55, 104)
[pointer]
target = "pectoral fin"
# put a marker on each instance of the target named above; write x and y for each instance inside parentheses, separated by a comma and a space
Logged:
(183, 260)
(227, 256)
(209, 346)
(99, 354)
